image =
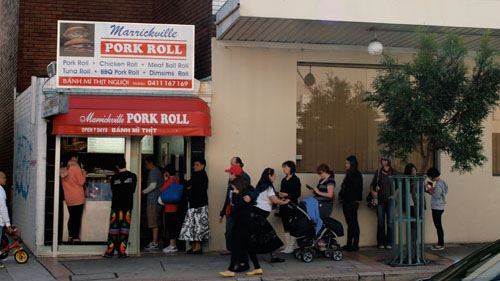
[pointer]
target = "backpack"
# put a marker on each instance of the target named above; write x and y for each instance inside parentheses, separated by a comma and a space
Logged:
(173, 193)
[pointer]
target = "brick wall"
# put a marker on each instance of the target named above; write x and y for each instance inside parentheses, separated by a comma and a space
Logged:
(38, 27)
(9, 10)
(197, 12)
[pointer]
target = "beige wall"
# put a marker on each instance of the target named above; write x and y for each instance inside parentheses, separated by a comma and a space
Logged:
(458, 13)
(253, 116)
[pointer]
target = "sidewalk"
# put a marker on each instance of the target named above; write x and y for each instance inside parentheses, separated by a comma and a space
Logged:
(367, 264)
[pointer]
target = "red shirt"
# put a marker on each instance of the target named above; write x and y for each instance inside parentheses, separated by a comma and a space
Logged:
(169, 208)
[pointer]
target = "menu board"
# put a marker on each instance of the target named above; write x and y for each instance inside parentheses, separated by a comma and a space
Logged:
(106, 145)
(147, 144)
(111, 55)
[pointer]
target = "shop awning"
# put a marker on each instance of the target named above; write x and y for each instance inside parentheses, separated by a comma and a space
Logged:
(134, 115)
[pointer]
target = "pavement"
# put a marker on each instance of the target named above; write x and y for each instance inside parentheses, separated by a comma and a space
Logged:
(366, 265)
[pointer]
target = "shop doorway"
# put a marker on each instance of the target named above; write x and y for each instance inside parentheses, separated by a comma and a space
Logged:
(177, 151)
(97, 157)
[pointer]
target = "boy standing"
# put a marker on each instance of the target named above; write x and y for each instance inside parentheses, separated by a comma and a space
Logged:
(4, 213)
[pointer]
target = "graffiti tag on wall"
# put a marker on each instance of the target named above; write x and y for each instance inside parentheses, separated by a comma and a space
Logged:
(22, 169)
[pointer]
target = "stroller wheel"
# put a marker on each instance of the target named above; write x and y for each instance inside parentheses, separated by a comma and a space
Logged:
(307, 257)
(337, 255)
(298, 254)
(328, 253)
(21, 256)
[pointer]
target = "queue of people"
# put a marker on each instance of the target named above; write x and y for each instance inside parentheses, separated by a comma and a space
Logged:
(246, 207)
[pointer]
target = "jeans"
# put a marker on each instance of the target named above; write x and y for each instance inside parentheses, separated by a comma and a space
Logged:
(436, 217)
(351, 217)
(385, 216)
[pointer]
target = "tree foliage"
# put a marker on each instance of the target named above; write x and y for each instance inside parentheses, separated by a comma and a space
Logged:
(436, 102)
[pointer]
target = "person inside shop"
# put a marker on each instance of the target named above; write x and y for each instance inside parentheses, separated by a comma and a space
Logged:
(324, 191)
(195, 227)
(225, 212)
(123, 186)
(290, 189)
(153, 209)
(73, 180)
(172, 220)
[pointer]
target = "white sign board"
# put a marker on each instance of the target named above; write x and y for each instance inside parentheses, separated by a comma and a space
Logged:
(106, 145)
(106, 55)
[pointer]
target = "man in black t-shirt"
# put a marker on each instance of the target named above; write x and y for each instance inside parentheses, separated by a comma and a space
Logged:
(123, 187)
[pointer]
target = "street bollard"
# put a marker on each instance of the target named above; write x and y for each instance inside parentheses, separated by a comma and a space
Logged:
(408, 244)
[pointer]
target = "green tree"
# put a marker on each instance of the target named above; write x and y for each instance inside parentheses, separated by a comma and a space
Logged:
(436, 102)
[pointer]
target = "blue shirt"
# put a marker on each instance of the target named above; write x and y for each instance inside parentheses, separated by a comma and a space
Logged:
(155, 175)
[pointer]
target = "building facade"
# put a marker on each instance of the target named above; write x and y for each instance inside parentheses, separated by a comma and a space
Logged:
(264, 106)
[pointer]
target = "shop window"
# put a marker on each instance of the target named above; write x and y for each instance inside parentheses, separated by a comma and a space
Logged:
(333, 122)
(496, 156)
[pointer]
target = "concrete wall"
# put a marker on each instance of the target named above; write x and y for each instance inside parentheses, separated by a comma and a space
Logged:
(253, 116)
(29, 166)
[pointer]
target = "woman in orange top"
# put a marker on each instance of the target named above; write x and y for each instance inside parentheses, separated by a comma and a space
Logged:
(172, 220)
(73, 179)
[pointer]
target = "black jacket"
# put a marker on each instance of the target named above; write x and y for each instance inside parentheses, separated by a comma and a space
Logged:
(240, 211)
(247, 180)
(197, 195)
(352, 189)
(292, 187)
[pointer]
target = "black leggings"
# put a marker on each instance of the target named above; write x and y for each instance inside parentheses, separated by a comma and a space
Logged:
(172, 225)
(75, 221)
(351, 217)
(436, 217)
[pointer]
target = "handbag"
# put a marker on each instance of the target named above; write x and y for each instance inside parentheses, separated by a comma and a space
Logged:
(173, 193)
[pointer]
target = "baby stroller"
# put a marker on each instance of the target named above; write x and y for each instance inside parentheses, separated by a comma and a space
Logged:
(303, 229)
(10, 243)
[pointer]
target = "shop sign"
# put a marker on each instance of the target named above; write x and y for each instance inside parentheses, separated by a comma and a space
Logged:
(116, 122)
(54, 105)
(106, 55)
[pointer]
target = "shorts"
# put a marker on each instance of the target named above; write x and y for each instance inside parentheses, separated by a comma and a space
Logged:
(153, 213)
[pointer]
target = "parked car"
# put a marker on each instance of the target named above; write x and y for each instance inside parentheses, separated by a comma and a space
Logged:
(483, 264)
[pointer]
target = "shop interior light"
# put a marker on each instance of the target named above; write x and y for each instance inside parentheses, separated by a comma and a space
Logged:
(375, 47)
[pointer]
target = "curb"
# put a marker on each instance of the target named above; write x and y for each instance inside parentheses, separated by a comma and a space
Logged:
(361, 276)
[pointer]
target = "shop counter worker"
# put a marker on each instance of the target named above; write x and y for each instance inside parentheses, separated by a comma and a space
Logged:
(73, 179)
(153, 209)
(195, 227)
(123, 186)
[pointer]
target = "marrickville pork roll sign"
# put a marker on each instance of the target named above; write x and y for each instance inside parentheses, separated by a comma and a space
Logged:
(125, 56)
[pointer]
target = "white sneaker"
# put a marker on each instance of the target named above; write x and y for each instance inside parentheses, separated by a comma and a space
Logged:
(2, 265)
(170, 249)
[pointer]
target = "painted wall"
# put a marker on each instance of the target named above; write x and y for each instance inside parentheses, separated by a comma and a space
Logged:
(459, 13)
(29, 166)
(253, 116)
